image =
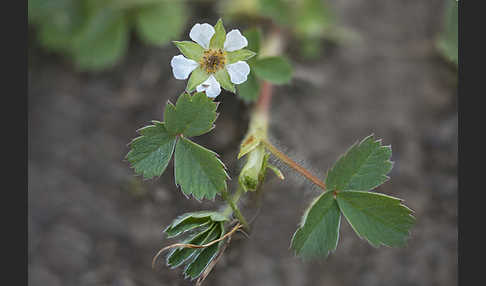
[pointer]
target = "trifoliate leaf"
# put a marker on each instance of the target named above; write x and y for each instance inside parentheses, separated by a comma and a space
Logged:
(179, 255)
(378, 218)
(191, 116)
(151, 152)
(319, 230)
(239, 55)
(197, 77)
(363, 167)
(222, 76)
(204, 256)
(217, 41)
(198, 170)
(192, 220)
(276, 70)
(250, 89)
(190, 49)
(158, 24)
(102, 41)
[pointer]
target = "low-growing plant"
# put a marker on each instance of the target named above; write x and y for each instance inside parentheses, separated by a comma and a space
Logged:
(249, 64)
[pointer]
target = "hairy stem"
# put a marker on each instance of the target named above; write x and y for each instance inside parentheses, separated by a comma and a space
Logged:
(294, 165)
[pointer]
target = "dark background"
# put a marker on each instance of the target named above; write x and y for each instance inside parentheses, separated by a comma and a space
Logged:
(92, 222)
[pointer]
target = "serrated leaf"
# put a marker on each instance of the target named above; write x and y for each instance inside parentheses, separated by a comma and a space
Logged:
(180, 255)
(190, 49)
(204, 256)
(198, 170)
(363, 167)
(158, 24)
(191, 116)
(151, 152)
(378, 218)
(250, 89)
(222, 76)
(197, 77)
(239, 55)
(276, 70)
(102, 41)
(217, 40)
(319, 230)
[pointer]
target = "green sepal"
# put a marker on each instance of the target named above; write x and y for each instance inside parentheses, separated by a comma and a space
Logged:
(224, 80)
(239, 55)
(191, 116)
(380, 219)
(318, 233)
(190, 50)
(198, 171)
(197, 77)
(363, 167)
(151, 152)
(276, 70)
(217, 40)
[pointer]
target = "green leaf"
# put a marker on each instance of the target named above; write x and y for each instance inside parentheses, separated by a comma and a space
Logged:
(224, 80)
(239, 55)
(204, 256)
(191, 116)
(198, 170)
(217, 41)
(254, 37)
(276, 70)
(102, 41)
(190, 50)
(250, 89)
(378, 218)
(363, 167)
(158, 24)
(448, 38)
(180, 255)
(151, 152)
(319, 230)
(197, 77)
(192, 220)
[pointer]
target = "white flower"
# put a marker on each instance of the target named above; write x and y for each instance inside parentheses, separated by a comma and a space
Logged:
(213, 64)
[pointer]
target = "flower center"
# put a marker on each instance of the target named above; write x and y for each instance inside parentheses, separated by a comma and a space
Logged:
(213, 60)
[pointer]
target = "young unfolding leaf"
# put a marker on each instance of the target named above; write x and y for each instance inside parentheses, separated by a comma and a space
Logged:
(151, 152)
(363, 167)
(203, 257)
(191, 221)
(276, 70)
(191, 116)
(319, 230)
(179, 255)
(379, 218)
(198, 170)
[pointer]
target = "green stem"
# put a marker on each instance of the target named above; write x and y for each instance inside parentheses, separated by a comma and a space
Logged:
(232, 207)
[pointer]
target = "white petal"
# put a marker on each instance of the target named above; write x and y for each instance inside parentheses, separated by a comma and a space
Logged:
(238, 72)
(182, 66)
(202, 34)
(235, 41)
(210, 86)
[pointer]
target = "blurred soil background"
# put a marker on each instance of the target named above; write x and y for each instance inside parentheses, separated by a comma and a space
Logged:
(91, 221)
